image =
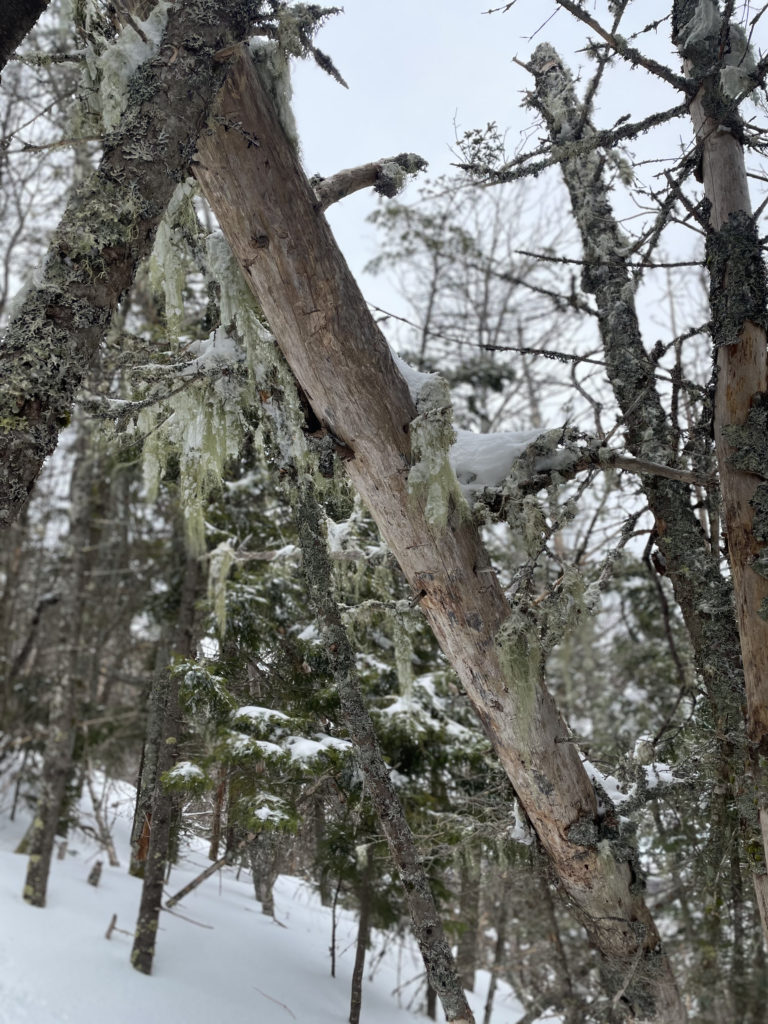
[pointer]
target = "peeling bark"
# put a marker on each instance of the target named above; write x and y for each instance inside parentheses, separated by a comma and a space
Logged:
(739, 302)
(268, 211)
(740, 315)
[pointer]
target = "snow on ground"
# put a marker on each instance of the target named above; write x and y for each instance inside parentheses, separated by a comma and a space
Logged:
(221, 961)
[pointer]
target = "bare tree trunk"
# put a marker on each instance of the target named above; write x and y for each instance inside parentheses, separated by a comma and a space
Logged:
(145, 937)
(469, 915)
(162, 809)
(218, 813)
(67, 688)
(105, 836)
(268, 212)
(150, 754)
(57, 765)
(498, 953)
(199, 879)
(739, 300)
(363, 937)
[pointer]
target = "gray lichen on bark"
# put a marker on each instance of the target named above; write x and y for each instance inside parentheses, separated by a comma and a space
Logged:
(738, 290)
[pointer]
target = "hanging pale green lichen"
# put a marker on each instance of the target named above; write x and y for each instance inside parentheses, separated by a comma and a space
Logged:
(403, 652)
(205, 426)
(203, 422)
(221, 560)
(170, 262)
(432, 481)
(266, 365)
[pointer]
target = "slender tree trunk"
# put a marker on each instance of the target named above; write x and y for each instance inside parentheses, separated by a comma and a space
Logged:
(739, 300)
(363, 938)
(105, 836)
(162, 809)
(57, 766)
(218, 813)
(425, 920)
(264, 858)
(145, 937)
(268, 211)
(469, 916)
(198, 880)
(498, 955)
(65, 661)
(148, 768)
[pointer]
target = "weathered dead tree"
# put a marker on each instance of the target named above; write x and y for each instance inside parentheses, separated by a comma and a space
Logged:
(171, 902)
(739, 304)
(255, 185)
(705, 597)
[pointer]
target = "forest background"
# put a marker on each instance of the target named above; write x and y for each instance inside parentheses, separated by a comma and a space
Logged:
(196, 599)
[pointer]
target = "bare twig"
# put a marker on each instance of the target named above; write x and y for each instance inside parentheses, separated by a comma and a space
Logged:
(629, 53)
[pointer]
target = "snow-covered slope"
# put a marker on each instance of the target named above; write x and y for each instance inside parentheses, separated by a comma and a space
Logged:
(221, 961)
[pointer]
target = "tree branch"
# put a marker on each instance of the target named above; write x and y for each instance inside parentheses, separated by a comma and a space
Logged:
(386, 176)
(630, 53)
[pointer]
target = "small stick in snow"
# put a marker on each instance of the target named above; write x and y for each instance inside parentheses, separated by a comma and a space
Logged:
(113, 928)
(275, 1001)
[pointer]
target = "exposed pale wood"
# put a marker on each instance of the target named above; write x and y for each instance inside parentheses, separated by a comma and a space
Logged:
(742, 373)
(267, 210)
(376, 174)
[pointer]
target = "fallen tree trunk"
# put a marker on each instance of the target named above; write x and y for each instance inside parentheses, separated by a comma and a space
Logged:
(269, 214)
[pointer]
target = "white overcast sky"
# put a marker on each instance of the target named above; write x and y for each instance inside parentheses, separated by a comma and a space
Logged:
(421, 70)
